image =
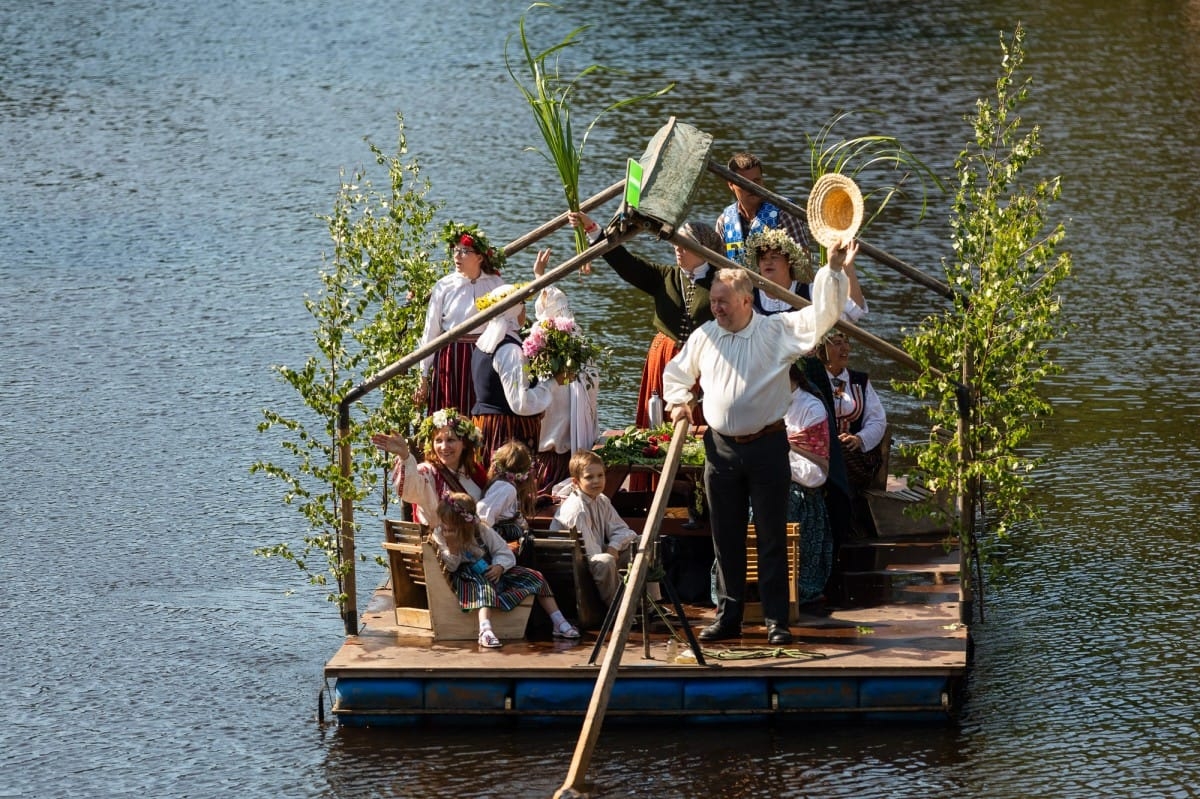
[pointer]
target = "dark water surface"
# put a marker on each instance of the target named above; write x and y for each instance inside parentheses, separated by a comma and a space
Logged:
(163, 166)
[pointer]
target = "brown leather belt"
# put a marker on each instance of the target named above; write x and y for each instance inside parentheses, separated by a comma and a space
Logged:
(773, 427)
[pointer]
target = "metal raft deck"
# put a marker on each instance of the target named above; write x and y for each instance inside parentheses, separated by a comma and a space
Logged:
(901, 655)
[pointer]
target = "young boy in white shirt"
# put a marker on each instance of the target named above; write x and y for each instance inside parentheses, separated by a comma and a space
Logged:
(607, 540)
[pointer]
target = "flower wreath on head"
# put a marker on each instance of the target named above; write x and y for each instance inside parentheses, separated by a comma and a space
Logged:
(459, 509)
(777, 239)
(496, 295)
(516, 478)
(458, 235)
(462, 426)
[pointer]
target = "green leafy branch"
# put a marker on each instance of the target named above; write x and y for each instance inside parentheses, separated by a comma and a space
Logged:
(370, 311)
(996, 337)
(549, 96)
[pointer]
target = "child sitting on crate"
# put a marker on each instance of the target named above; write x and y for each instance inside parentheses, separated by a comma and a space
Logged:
(484, 571)
(607, 540)
(509, 499)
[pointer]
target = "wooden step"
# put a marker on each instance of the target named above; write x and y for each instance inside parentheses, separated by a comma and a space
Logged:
(875, 554)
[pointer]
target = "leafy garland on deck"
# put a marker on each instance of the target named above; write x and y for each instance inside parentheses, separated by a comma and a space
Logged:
(648, 447)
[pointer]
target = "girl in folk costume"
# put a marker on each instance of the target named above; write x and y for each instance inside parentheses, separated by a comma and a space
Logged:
(484, 572)
(509, 499)
(507, 405)
(571, 420)
(861, 420)
(446, 375)
(450, 444)
(809, 438)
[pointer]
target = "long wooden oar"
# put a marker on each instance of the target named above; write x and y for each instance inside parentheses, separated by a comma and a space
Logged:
(633, 592)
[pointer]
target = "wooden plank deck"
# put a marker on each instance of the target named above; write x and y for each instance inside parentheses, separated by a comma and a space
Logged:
(896, 649)
(896, 661)
(924, 637)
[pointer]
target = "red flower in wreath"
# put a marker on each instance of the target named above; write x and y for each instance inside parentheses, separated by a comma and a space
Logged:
(467, 241)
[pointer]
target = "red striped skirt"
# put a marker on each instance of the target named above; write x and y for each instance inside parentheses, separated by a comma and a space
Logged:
(498, 429)
(451, 385)
(551, 468)
(662, 349)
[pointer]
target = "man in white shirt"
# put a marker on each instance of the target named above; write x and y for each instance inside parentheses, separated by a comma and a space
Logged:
(741, 360)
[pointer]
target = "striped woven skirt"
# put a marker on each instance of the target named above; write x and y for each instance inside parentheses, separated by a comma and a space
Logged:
(807, 506)
(551, 468)
(498, 429)
(451, 385)
(475, 591)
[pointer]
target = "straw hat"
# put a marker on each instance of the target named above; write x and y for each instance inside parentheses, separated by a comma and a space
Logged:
(835, 209)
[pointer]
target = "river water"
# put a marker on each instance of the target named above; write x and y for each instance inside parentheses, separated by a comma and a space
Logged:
(164, 167)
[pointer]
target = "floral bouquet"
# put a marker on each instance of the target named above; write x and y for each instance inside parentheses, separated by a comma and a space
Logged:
(556, 348)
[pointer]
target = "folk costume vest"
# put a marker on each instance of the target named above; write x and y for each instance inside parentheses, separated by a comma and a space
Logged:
(802, 290)
(856, 390)
(861, 467)
(489, 391)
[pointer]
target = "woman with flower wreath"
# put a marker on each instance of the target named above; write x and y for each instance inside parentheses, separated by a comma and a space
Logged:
(446, 375)
(774, 255)
(450, 444)
(509, 499)
(483, 571)
(508, 404)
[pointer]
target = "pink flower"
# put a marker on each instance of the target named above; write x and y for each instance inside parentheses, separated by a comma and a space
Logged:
(535, 343)
(563, 323)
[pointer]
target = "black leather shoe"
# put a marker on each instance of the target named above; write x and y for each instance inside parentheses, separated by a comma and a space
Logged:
(778, 634)
(719, 632)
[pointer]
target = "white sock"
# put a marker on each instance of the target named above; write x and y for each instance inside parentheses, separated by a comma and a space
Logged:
(557, 619)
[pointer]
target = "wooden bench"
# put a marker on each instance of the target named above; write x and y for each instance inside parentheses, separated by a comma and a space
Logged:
(753, 611)
(559, 556)
(425, 600)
